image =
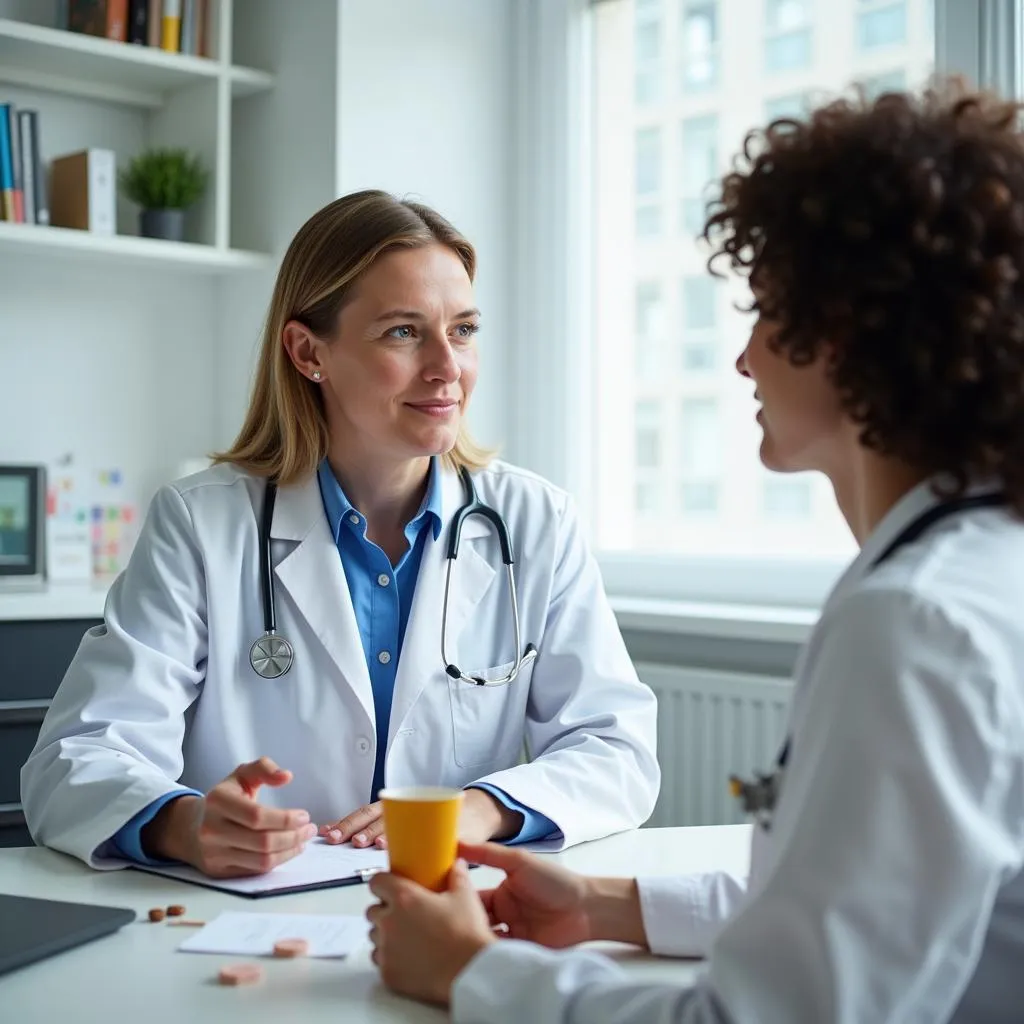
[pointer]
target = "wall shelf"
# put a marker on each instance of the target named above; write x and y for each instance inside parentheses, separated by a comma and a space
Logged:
(79, 65)
(18, 239)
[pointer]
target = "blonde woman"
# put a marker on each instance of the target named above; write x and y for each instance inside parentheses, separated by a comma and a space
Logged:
(223, 715)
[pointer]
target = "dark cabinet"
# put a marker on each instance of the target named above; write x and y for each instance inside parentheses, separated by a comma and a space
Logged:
(34, 655)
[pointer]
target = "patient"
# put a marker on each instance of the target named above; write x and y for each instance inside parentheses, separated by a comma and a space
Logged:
(884, 245)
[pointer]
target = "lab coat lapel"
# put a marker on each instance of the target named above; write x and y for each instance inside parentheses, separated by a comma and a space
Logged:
(472, 575)
(314, 577)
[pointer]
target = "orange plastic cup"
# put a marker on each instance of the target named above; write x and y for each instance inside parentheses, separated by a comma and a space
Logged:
(422, 826)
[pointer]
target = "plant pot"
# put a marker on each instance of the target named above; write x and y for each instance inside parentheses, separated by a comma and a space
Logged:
(168, 224)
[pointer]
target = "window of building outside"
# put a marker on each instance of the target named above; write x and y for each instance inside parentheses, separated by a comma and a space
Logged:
(699, 319)
(683, 478)
(793, 105)
(647, 76)
(881, 23)
(698, 165)
(699, 44)
(650, 325)
(787, 41)
(648, 181)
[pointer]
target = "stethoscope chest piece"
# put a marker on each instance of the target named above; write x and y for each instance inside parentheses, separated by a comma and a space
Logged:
(271, 656)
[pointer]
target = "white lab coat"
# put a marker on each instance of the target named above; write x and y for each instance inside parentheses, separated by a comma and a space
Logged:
(889, 886)
(162, 696)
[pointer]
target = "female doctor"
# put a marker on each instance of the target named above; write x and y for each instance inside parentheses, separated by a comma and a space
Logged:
(886, 247)
(173, 737)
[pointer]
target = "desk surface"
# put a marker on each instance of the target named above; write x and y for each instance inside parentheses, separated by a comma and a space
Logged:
(137, 974)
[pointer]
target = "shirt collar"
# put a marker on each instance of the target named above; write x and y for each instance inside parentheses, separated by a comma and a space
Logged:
(337, 506)
(912, 505)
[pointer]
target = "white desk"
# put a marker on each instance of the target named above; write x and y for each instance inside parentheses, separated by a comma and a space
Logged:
(137, 975)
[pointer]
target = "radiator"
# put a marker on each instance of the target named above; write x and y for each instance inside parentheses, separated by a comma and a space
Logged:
(712, 725)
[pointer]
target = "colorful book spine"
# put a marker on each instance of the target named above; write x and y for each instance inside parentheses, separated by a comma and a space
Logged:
(154, 27)
(6, 167)
(138, 22)
(117, 20)
(170, 34)
(19, 192)
(26, 133)
(88, 17)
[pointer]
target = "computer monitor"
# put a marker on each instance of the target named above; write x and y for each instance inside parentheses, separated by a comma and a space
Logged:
(22, 524)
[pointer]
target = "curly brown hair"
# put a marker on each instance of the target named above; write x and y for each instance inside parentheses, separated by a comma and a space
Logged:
(893, 231)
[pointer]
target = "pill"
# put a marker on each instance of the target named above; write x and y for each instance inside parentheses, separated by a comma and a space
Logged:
(175, 910)
(156, 914)
(291, 947)
(186, 922)
(240, 974)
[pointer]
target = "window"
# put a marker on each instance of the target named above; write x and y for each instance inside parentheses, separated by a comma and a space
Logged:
(785, 498)
(648, 181)
(699, 168)
(794, 105)
(876, 85)
(699, 318)
(650, 328)
(699, 303)
(881, 23)
(699, 44)
(685, 507)
(787, 44)
(648, 435)
(700, 459)
(647, 54)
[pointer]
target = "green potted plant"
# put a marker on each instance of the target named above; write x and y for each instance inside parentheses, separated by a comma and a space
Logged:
(164, 183)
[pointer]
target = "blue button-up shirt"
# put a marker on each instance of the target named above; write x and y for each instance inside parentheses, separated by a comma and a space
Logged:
(381, 597)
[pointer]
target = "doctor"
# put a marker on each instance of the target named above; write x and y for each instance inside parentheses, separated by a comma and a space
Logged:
(885, 243)
(173, 738)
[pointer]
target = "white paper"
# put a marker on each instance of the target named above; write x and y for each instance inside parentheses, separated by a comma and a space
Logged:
(319, 862)
(240, 933)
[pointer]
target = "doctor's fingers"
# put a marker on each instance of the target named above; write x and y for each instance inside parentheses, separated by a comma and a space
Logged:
(232, 862)
(261, 772)
(229, 835)
(362, 827)
(228, 803)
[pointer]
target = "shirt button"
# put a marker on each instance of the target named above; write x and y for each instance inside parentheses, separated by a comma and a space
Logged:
(384, 657)
(353, 518)
(363, 745)
(383, 579)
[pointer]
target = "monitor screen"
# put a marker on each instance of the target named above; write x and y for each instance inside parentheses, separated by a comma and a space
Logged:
(15, 521)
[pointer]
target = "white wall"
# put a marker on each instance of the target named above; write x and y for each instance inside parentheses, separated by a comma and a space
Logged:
(282, 170)
(108, 362)
(425, 110)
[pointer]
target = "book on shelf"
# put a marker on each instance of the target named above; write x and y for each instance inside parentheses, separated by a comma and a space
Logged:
(83, 191)
(175, 26)
(105, 18)
(23, 193)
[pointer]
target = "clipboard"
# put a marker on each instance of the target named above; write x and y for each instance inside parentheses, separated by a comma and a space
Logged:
(321, 865)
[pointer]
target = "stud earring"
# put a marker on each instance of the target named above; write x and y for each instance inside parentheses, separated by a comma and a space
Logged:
(316, 375)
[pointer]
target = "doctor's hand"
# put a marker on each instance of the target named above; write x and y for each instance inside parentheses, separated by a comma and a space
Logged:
(422, 940)
(363, 827)
(544, 903)
(482, 818)
(227, 833)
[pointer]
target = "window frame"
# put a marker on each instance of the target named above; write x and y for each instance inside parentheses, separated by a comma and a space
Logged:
(550, 413)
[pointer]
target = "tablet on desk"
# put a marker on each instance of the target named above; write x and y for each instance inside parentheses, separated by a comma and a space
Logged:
(33, 929)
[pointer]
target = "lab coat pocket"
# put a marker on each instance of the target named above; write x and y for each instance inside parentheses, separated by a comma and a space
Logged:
(486, 725)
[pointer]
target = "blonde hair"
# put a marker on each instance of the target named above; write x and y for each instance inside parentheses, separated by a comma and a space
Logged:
(284, 434)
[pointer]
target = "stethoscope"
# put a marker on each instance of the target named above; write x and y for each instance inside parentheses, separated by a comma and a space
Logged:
(758, 796)
(271, 655)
